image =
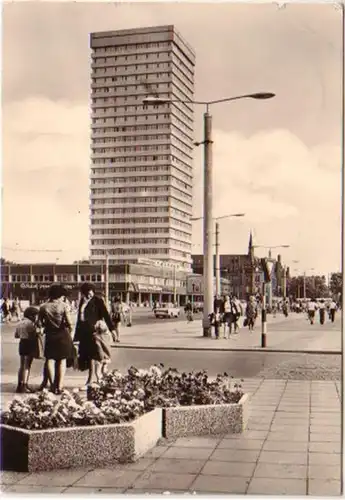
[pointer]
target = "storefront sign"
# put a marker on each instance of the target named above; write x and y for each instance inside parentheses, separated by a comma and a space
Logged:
(43, 286)
(152, 289)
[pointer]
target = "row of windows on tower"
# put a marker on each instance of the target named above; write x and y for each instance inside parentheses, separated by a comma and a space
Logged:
(141, 220)
(133, 51)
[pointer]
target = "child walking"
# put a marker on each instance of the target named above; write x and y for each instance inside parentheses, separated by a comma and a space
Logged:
(102, 341)
(30, 347)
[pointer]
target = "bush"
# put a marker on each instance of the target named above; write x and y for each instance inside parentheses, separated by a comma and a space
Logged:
(157, 387)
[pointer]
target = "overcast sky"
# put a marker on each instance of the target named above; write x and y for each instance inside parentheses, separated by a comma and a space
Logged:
(278, 161)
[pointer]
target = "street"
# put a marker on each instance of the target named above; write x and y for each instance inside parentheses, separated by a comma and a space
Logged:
(299, 350)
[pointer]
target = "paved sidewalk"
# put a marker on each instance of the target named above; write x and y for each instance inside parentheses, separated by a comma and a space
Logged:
(291, 446)
(188, 336)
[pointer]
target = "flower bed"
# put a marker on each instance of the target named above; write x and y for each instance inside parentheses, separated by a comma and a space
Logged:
(124, 416)
(192, 404)
(43, 432)
(159, 388)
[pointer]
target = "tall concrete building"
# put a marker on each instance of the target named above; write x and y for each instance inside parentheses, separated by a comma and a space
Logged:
(141, 172)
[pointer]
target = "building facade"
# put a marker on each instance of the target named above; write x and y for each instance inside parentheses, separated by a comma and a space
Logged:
(243, 271)
(133, 282)
(141, 163)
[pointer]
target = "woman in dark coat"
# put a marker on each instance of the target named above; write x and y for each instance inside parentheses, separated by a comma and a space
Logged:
(54, 317)
(91, 310)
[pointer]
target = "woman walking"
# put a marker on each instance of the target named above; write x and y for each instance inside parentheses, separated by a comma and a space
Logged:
(91, 310)
(55, 319)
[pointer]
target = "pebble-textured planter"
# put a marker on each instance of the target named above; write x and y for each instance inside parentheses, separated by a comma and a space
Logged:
(97, 446)
(206, 419)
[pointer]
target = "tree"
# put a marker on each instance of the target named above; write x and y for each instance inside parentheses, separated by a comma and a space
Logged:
(336, 283)
(4, 262)
(315, 287)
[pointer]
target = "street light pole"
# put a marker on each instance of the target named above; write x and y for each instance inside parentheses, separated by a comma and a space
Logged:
(218, 284)
(106, 280)
(208, 225)
(208, 185)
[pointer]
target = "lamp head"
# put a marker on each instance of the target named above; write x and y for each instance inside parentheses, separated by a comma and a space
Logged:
(262, 95)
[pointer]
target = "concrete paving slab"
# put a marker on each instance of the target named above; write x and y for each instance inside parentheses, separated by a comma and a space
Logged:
(325, 438)
(230, 469)
(319, 487)
(9, 477)
(258, 427)
(164, 480)
(324, 447)
(29, 489)
(324, 459)
(241, 444)
(141, 465)
(281, 471)
(265, 486)
(197, 442)
(188, 453)
(117, 478)
(220, 484)
(289, 429)
(224, 455)
(156, 452)
(283, 446)
(67, 477)
(79, 490)
(275, 457)
(177, 466)
(248, 435)
(283, 436)
(325, 429)
(324, 472)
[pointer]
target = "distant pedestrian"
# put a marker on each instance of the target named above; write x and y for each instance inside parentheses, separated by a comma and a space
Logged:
(216, 321)
(332, 310)
(30, 347)
(227, 317)
(311, 309)
(236, 311)
(188, 309)
(322, 311)
(5, 309)
(116, 317)
(251, 313)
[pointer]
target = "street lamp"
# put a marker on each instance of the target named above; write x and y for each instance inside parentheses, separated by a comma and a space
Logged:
(208, 187)
(304, 278)
(217, 245)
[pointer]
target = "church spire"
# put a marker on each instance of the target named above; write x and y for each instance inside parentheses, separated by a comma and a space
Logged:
(250, 246)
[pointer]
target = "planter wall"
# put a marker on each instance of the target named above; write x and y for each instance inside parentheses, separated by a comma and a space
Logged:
(96, 446)
(206, 419)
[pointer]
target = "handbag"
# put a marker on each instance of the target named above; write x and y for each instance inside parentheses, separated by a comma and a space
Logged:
(245, 322)
(72, 361)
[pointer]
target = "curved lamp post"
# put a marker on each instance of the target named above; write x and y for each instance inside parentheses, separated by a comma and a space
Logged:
(208, 190)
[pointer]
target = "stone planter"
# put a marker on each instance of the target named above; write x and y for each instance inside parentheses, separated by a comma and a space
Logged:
(206, 419)
(96, 446)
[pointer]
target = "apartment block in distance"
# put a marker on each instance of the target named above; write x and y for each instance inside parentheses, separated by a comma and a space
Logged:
(141, 172)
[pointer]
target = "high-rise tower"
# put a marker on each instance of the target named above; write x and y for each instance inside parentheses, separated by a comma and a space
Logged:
(141, 172)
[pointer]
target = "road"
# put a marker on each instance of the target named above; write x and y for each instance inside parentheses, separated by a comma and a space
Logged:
(237, 362)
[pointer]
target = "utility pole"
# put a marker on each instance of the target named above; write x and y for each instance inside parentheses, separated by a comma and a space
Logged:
(106, 279)
(208, 225)
(217, 263)
(175, 294)
(263, 317)
(304, 286)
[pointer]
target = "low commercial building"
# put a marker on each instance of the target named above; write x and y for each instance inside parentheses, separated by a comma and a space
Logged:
(138, 283)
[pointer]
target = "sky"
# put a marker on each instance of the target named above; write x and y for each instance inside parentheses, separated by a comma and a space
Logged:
(278, 161)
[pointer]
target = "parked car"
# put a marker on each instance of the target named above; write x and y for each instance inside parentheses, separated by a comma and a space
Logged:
(167, 311)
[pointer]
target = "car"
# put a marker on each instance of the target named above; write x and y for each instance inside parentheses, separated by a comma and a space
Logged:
(167, 310)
